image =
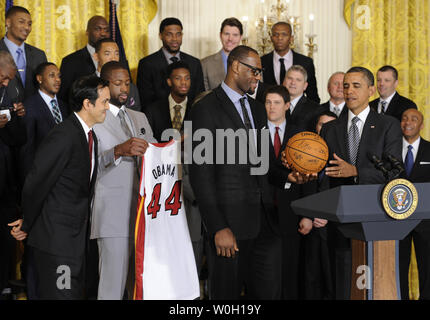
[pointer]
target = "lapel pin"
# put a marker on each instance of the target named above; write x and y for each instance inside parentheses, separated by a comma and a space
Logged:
(142, 130)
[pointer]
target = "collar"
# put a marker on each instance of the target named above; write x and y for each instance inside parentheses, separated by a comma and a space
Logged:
(13, 46)
(115, 110)
(388, 100)
(173, 103)
(287, 56)
(294, 102)
(47, 98)
(83, 124)
(340, 105)
(362, 115)
(414, 145)
(272, 126)
(168, 55)
(233, 95)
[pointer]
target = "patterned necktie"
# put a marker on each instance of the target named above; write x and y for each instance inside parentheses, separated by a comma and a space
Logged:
(383, 105)
(336, 110)
(246, 120)
(124, 125)
(177, 118)
(90, 148)
(282, 72)
(20, 64)
(56, 111)
(277, 142)
(174, 59)
(409, 161)
(353, 140)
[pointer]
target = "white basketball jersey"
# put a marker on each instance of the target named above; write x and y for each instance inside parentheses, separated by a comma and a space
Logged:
(165, 264)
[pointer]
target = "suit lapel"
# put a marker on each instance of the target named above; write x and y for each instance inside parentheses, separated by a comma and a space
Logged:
(44, 108)
(342, 137)
(370, 126)
(270, 69)
(84, 143)
(229, 108)
(393, 103)
(418, 159)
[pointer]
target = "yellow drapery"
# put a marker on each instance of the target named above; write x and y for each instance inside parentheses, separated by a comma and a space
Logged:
(395, 32)
(59, 25)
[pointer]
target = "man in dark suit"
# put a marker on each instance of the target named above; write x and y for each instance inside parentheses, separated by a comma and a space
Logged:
(81, 63)
(165, 113)
(151, 73)
(350, 140)
(302, 109)
(12, 136)
(26, 57)
(107, 50)
(287, 188)
(390, 102)
(57, 195)
(336, 103)
(416, 158)
(44, 111)
(277, 62)
(231, 189)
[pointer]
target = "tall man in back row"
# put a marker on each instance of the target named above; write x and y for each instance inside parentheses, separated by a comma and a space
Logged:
(277, 62)
(351, 138)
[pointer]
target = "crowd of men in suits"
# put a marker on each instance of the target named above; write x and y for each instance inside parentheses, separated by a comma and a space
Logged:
(71, 139)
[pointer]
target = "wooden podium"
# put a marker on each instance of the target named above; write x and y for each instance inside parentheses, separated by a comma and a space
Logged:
(358, 210)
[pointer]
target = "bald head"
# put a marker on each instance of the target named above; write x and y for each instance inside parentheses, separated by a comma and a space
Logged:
(411, 124)
(7, 68)
(97, 28)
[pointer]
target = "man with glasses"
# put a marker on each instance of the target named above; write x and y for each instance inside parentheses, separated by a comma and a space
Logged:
(236, 206)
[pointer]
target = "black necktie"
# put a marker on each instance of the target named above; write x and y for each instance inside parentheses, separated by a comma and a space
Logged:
(174, 59)
(246, 120)
(282, 73)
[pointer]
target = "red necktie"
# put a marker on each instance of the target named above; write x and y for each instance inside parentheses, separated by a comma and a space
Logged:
(90, 147)
(277, 142)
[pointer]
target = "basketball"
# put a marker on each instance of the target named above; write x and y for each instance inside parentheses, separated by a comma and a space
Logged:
(306, 152)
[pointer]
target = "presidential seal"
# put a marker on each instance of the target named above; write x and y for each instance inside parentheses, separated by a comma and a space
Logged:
(399, 199)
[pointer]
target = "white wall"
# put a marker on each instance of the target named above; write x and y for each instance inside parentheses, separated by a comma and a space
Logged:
(202, 20)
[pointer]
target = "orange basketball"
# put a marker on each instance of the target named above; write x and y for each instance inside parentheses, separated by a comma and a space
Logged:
(306, 152)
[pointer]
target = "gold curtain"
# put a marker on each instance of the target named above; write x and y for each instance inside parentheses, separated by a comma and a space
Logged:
(59, 25)
(395, 32)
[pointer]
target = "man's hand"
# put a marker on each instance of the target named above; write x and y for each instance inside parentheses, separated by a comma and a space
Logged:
(225, 243)
(16, 230)
(319, 223)
(305, 226)
(3, 120)
(300, 178)
(340, 168)
(132, 147)
(19, 109)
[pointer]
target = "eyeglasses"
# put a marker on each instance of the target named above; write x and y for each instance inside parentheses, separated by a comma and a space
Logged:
(256, 71)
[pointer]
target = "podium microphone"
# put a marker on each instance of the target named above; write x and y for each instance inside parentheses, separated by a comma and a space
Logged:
(394, 162)
(379, 164)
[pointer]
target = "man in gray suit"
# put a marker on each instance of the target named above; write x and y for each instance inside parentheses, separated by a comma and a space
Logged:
(123, 139)
(26, 57)
(215, 66)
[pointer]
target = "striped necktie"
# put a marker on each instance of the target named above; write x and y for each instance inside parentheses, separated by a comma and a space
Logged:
(56, 111)
(353, 140)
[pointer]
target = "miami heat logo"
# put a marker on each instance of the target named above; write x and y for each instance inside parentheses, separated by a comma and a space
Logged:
(399, 199)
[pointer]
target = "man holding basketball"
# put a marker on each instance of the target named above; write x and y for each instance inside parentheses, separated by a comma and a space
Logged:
(351, 139)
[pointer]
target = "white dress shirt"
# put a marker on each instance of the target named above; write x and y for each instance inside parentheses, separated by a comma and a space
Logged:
(414, 145)
(294, 102)
(362, 116)
(48, 100)
(388, 100)
(339, 107)
(91, 51)
(173, 103)
(288, 62)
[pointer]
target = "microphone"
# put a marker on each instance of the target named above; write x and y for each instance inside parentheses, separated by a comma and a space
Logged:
(394, 163)
(379, 164)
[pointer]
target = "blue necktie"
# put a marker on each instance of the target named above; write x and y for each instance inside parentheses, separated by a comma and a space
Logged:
(20, 64)
(409, 161)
